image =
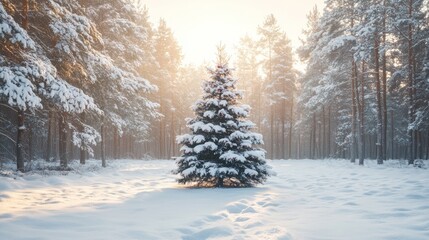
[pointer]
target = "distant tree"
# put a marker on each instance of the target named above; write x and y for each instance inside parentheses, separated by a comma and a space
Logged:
(168, 55)
(282, 88)
(247, 68)
(269, 34)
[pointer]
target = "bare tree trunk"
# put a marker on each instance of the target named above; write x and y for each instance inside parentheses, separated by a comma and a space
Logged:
(298, 149)
(283, 134)
(411, 155)
(49, 140)
(319, 138)
(161, 142)
(384, 79)
(21, 114)
(313, 153)
(25, 7)
(62, 133)
(290, 130)
(329, 131)
(173, 134)
(82, 158)
(361, 110)
(392, 135)
(19, 143)
(379, 143)
(115, 143)
(361, 115)
(353, 143)
(30, 144)
(102, 145)
(272, 131)
(427, 144)
(324, 132)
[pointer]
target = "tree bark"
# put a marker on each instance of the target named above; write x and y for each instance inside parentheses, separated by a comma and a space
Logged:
(329, 131)
(361, 110)
(411, 155)
(353, 143)
(102, 145)
(82, 158)
(21, 116)
(30, 144)
(62, 133)
(272, 131)
(115, 143)
(49, 140)
(313, 153)
(379, 144)
(392, 135)
(384, 80)
(19, 143)
(290, 130)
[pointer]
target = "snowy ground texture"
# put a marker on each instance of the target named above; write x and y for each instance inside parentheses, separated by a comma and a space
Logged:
(325, 199)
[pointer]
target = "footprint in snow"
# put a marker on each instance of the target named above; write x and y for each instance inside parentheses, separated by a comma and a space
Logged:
(351, 204)
(214, 218)
(241, 219)
(414, 196)
(236, 207)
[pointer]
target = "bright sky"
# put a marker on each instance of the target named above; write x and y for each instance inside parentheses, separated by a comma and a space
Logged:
(200, 25)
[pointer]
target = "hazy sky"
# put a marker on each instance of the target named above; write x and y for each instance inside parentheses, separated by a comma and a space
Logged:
(199, 25)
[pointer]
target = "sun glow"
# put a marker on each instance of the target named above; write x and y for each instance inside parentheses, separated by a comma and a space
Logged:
(200, 25)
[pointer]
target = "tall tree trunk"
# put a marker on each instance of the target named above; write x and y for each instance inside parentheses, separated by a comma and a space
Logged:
(290, 130)
(319, 138)
(361, 110)
(283, 134)
(313, 153)
(329, 131)
(173, 134)
(379, 143)
(19, 142)
(30, 144)
(272, 131)
(411, 155)
(324, 132)
(353, 143)
(161, 142)
(25, 7)
(49, 140)
(82, 158)
(384, 79)
(21, 114)
(62, 133)
(427, 145)
(115, 143)
(102, 145)
(392, 135)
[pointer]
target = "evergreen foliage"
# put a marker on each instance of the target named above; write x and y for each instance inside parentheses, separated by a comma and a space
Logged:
(220, 151)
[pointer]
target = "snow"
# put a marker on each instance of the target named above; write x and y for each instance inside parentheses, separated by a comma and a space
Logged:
(231, 156)
(11, 30)
(207, 145)
(131, 199)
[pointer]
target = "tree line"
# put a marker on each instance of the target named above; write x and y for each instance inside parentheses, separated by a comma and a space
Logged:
(365, 89)
(85, 78)
(96, 78)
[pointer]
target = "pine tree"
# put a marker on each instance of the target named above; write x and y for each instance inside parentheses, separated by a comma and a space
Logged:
(220, 150)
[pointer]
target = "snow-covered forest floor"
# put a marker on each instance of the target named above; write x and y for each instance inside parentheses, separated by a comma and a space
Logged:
(130, 199)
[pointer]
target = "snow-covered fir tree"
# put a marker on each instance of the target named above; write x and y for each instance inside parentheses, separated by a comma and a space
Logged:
(221, 150)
